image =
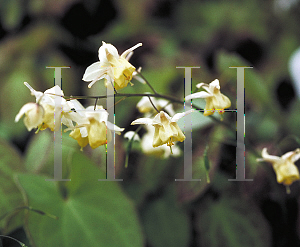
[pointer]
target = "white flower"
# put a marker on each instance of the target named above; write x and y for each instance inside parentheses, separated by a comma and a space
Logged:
(167, 130)
(48, 101)
(92, 126)
(131, 134)
(215, 100)
(34, 114)
(284, 167)
(114, 68)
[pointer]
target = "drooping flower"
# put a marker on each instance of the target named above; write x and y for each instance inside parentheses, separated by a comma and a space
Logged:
(51, 108)
(47, 104)
(215, 100)
(92, 126)
(167, 130)
(284, 167)
(114, 68)
(34, 114)
(162, 151)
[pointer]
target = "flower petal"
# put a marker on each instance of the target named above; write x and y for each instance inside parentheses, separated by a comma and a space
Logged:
(210, 106)
(160, 117)
(293, 155)
(35, 93)
(142, 121)
(114, 127)
(199, 85)
(105, 50)
(201, 94)
(33, 115)
(25, 108)
(75, 104)
(94, 71)
(99, 113)
(269, 158)
(54, 91)
(296, 155)
(214, 84)
(156, 138)
(177, 116)
(124, 54)
(131, 134)
(223, 101)
(98, 134)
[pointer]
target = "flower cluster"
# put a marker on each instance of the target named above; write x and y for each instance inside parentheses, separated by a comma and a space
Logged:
(91, 126)
(41, 114)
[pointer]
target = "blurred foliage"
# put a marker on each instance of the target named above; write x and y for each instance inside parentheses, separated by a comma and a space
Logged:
(149, 208)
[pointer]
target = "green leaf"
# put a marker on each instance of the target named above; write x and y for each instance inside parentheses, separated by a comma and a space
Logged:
(39, 150)
(232, 222)
(90, 212)
(166, 224)
(39, 156)
(11, 198)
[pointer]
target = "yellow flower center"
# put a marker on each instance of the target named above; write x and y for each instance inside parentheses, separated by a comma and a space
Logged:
(170, 142)
(122, 71)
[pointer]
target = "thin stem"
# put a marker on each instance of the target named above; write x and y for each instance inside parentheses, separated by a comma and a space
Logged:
(130, 145)
(153, 104)
(28, 208)
(157, 95)
(140, 74)
(19, 242)
(120, 101)
(114, 87)
(95, 103)
(169, 98)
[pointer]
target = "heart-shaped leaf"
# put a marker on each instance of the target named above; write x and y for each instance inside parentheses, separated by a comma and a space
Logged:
(90, 212)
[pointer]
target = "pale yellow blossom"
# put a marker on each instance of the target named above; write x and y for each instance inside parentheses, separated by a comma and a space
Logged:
(114, 68)
(34, 114)
(286, 171)
(92, 126)
(215, 100)
(167, 130)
